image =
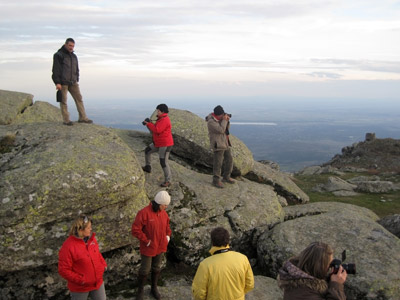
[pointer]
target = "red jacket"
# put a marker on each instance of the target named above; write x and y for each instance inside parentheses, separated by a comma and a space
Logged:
(82, 265)
(162, 136)
(151, 226)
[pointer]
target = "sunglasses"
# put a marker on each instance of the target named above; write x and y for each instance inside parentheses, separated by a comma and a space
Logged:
(86, 220)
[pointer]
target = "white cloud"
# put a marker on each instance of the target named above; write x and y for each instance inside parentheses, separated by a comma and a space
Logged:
(203, 41)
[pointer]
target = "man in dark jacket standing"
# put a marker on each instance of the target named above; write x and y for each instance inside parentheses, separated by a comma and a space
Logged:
(66, 78)
(218, 132)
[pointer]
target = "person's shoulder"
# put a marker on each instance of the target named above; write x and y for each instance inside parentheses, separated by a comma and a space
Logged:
(144, 210)
(69, 242)
(59, 53)
(238, 255)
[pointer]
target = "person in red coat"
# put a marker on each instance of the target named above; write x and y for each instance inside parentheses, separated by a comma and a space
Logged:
(81, 263)
(151, 227)
(162, 142)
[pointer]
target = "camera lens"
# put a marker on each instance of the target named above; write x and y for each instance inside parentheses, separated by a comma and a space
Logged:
(350, 268)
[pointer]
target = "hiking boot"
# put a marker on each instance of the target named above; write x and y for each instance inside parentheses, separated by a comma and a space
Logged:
(228, 180)
(218, 184)
(141, 283)
(88, 121)
(69, 123)
(165, 184)
(147, 168)
(154, 281)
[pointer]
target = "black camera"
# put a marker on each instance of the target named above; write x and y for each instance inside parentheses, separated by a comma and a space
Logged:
(229, 115)
(336, 263)
(146, 120)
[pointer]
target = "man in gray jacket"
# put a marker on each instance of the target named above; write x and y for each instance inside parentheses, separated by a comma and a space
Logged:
(66, 77)
(218, 131)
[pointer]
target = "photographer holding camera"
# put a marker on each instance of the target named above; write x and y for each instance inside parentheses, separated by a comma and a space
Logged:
(311, 276)
(218, 132)
(162, 142)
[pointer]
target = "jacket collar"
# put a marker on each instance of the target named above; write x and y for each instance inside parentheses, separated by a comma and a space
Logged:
(162, 116)
(80, 239)
(291, 277)
(213, 249)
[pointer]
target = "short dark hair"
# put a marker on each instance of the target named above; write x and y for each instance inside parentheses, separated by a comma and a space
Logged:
(69, 40)
(163, 108)
(219, 237)
(218, 110)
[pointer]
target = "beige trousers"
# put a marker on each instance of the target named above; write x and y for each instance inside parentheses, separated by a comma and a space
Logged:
(76, 94)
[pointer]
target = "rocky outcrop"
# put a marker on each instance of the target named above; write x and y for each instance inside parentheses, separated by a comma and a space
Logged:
(337, 186)
(39, 112)
(392, 224)
(351, 187)
(197, 206)
(52, 173)
(382, 155)
(192, 143)
(49, 173)
(375, 251)
(375, 187)
(317, 170)
(12, 104)
(281, 182)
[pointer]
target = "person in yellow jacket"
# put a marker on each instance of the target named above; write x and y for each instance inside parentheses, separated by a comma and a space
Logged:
(225, 275)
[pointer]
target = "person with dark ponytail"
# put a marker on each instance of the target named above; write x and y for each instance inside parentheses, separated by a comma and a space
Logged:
(162, 142)
(151, 228)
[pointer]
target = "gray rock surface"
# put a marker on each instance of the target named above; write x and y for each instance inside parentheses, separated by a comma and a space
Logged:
(265, 288)
(335, 184)
(39, 112)
(281, 182)
(192, 142)
(375, 251)
(197, 206)
(356, 179)
(312, 170)
(375, 186)
(12, 104)
(392, 224)
(317, 170)
(345, 193)
(381, 155)
(51, 174)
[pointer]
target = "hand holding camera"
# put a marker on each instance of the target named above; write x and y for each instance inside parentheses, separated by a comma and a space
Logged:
(227, 116)
(147, 120)
(340, 276)
(336, 264)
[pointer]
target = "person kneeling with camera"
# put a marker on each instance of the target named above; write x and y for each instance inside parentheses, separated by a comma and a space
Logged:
(311, 276)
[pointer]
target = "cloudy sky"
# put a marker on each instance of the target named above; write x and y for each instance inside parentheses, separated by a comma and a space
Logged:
(201, 49)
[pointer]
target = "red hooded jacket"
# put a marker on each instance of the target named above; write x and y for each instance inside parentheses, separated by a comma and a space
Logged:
(162, 136)
(82, 265)
(151, 226)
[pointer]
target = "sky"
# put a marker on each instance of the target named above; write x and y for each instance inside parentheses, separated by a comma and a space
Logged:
(175, 49)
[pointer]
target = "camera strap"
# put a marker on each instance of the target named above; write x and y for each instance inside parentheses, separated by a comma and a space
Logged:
(222, 251)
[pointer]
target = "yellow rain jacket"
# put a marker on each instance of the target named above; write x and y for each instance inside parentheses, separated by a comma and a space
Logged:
(223, 276)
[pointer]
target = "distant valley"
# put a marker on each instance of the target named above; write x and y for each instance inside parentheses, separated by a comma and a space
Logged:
(295, 134)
